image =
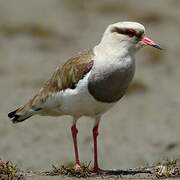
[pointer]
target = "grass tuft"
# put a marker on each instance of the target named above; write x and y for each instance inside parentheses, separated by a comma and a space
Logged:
(8, 171)
(168, 169)
(70, 171)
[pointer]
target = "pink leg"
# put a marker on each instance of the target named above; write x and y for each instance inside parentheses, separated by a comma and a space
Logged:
(95, 135)
(74, 132)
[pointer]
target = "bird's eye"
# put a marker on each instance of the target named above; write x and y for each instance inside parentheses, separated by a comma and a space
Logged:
(130, 32)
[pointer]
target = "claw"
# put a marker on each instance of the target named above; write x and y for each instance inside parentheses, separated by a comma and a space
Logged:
(77, 168)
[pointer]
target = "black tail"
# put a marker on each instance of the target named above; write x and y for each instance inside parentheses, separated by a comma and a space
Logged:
(15, 118)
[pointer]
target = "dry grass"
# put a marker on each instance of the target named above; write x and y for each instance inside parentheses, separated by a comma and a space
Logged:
(69, 171)
(168, 169)
(8, 171)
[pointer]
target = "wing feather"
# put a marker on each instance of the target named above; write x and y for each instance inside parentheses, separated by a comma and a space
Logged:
(64, 77)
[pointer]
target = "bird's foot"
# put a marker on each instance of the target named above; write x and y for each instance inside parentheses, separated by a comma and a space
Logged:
(97, 170)
(77, 167)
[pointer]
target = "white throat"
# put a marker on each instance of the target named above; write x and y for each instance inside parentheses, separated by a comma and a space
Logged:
(109, 52)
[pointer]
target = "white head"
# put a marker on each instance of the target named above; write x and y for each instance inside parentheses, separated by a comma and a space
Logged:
(130, 35)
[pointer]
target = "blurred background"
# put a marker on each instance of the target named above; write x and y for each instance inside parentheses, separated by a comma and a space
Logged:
(38, 35)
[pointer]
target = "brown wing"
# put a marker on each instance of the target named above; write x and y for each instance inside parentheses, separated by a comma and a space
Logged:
(65, 77)
(71, 72)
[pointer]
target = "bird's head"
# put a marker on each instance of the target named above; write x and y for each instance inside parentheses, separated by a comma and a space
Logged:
(130, 35)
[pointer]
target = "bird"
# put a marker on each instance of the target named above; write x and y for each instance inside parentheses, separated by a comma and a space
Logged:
(90, 83)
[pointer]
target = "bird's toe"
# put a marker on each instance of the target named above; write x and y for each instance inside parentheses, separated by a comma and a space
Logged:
(77, 167)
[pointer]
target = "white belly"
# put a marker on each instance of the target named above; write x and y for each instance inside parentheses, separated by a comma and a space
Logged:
(78, 102)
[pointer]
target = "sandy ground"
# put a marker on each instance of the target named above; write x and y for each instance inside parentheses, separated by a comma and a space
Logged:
(139, 176)
(38, 35)
(142, 177)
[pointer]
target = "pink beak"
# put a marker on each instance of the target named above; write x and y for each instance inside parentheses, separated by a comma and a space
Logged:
(149, 42)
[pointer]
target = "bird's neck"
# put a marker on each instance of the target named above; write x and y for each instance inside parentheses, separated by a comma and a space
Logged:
(112, 53)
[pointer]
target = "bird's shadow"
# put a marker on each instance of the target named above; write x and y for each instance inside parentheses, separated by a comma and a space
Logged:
(117, 172)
